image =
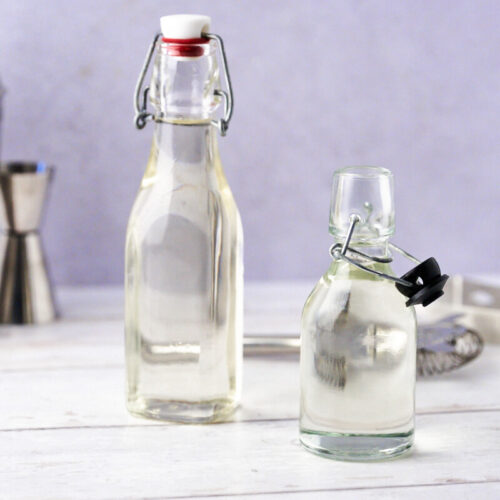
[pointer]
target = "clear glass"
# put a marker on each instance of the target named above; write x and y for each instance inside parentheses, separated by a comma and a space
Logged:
(182, 88)
(184, 279)
(358, 361)
(367, 192)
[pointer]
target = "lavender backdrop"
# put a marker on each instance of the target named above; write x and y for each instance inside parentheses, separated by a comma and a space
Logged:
(412, 86)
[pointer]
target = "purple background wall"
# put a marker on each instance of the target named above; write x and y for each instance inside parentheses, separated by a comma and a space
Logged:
(412, 86)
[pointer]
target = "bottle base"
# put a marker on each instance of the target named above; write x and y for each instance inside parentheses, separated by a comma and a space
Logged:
(201, 412)
(356, 447)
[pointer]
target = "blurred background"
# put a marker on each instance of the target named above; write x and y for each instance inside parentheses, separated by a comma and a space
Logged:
(411, 86)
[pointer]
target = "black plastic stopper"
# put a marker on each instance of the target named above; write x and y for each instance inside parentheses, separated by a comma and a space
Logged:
(427, 283)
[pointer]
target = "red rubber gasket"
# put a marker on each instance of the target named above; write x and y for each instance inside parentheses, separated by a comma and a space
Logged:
(185, 41)
(185, 47)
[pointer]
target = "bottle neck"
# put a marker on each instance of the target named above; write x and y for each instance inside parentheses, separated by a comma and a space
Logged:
(183, 87)
(186, 144)
(188, 154)
(373, 248)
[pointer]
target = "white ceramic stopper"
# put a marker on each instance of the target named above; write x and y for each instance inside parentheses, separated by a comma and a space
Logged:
(184, 26)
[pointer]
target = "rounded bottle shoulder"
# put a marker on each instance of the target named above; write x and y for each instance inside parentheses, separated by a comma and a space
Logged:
(351, 291)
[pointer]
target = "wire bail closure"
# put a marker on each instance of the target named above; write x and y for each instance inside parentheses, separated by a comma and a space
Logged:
(422, 285)
(142, 115)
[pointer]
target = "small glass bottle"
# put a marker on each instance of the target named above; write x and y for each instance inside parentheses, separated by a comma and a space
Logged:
(184, 271)
(358, 339)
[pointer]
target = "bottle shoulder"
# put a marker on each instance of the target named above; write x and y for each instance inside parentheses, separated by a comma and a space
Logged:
(346, 288)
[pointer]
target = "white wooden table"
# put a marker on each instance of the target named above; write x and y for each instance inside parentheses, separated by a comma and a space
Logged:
(65, 433)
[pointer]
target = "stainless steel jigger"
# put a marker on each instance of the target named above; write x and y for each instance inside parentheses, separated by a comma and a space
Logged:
(25, 290)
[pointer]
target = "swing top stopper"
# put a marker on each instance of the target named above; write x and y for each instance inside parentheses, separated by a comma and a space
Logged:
(427, 283)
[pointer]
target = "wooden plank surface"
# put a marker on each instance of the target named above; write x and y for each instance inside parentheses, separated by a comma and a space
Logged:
(65, 433)
(486, 490)
(238, 458)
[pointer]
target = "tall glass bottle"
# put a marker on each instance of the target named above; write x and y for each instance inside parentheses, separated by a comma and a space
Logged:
(358, 339)
(184, 271)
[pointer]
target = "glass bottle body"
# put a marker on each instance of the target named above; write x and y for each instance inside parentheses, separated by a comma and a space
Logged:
(358, 366)
(184, 282)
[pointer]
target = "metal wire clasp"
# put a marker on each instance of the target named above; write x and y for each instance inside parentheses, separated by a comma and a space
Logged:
(339, 251)
(142, 116)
